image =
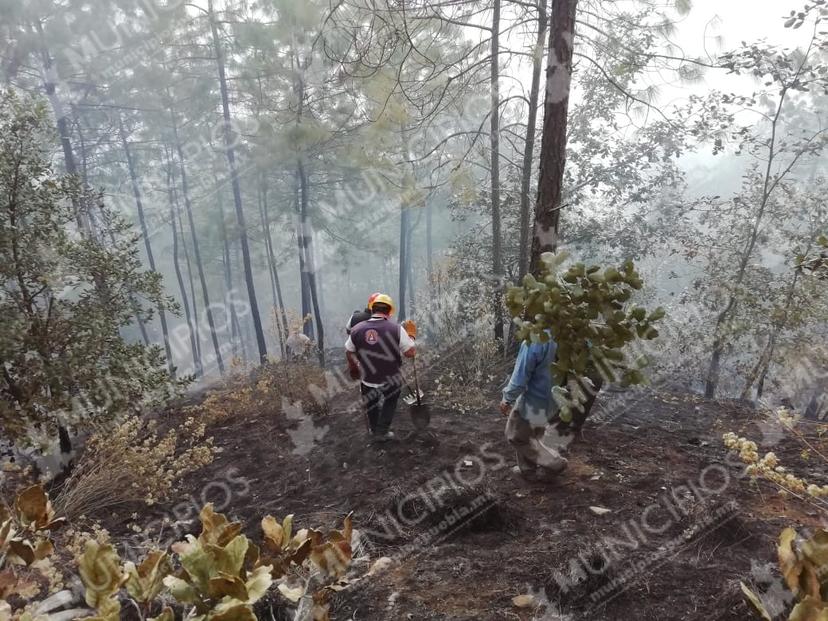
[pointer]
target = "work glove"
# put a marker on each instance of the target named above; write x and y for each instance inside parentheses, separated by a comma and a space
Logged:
(353, 371)
(410, 328)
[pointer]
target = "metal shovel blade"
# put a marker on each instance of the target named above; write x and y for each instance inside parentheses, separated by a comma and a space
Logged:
(420, 415)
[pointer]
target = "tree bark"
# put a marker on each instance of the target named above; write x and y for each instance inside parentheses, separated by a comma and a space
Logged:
(275, 289)
(185, 190)
(529, 145)
(494, 137)
(553, 142)
(61, 120)
(235, 331)
(429, 246)
(410, 256)
(304, 288)
(404, 216)
(229, 139)
(197, 367)
(196, 317)
(139, 204)
(306, 246)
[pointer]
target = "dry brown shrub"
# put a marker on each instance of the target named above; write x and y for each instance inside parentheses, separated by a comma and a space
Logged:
(465, 376)
(133, 462)
(247, 393)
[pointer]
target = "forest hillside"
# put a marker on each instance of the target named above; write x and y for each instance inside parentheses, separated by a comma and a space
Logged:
(413, 309)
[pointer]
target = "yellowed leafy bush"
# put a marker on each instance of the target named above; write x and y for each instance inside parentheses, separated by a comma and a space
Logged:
(803, 564)
(217, 576)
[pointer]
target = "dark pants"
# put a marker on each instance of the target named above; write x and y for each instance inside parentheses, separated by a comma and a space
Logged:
(380, 405)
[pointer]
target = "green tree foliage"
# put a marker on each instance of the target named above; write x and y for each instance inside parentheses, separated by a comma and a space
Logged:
(586, 309)
(64, 296)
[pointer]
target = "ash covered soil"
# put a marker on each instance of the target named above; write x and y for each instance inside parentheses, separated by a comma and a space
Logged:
(466, 535)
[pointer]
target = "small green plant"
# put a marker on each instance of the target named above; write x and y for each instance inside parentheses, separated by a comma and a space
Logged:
(587, 310)
(803, 564)
(220, 575)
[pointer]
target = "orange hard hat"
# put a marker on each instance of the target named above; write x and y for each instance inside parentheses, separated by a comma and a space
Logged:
(373, 297)
(382, 298)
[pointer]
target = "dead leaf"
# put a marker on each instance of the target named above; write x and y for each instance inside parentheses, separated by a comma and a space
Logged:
(380, 565)
(292, 594)
(523, 601)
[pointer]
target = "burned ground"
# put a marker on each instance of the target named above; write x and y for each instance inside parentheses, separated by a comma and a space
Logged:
(682, 525)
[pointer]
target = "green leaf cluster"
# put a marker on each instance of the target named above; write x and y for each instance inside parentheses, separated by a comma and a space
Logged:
(220, 573)
(588, 311)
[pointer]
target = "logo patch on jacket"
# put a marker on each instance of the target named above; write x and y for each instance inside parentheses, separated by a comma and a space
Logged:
(371, 337)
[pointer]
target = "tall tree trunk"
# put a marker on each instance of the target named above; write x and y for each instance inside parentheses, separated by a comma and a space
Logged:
(410, 256)
(529, 145)
(96, 230)
(197, 368)
(188, 207)
(84, 170)
(139, 204)
(553, 142)
(429, 246)
(244, 335)
(229, 139)
(235, 332)
(760, 383)
(196, 317)
(271, 265)
(494, 137)
(282, 314)
(404, 217)
(62, 123)
(304, 289)
(300, 196)
(317, 278)
(306, 247)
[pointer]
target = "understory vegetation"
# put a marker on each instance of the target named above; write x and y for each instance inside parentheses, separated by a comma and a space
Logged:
(220, 574)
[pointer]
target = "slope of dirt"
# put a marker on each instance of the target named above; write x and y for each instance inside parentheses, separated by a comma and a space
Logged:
(466, 535)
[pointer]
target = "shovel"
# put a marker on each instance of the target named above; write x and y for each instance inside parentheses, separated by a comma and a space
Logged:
(420, 412)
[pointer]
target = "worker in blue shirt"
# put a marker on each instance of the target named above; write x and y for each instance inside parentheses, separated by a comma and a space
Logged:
(528, 403)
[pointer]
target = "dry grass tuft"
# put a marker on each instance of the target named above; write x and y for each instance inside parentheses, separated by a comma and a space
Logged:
(133, 462)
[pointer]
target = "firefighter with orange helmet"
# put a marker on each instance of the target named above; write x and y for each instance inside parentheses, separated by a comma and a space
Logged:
(375, 349)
